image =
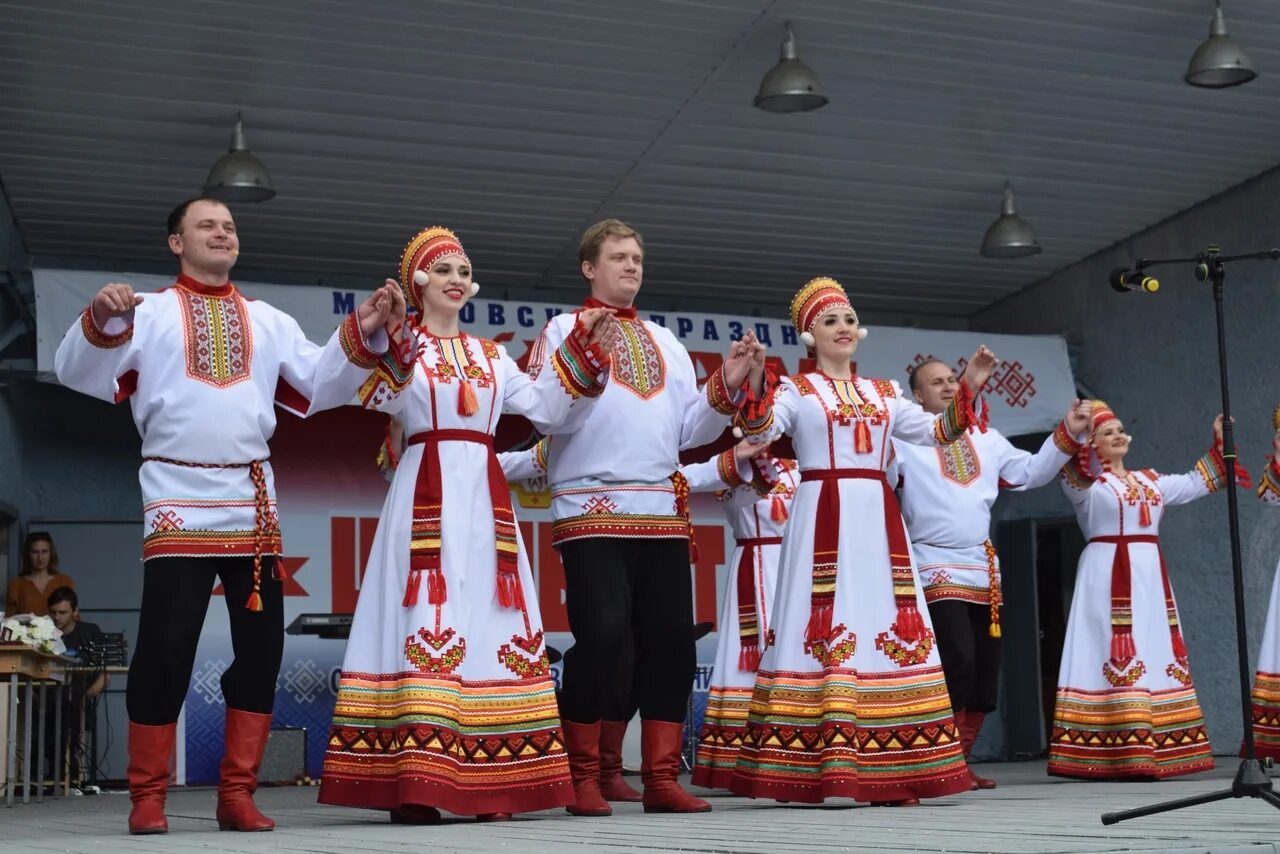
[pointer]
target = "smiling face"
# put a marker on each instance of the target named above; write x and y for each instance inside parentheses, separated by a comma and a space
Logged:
(1111, 441)
(835, 335)
(448, 285)
(206, 242)
(616, 272)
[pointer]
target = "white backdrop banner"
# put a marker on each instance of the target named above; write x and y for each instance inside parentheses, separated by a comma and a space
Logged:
(1028, 393)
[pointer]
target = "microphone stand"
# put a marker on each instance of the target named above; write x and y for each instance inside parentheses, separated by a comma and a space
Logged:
(1251, 781)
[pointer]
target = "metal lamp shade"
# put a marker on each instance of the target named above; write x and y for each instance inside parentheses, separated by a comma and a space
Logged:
(238, 176)
(1219, 61)
(1010, 236)
(790, 86)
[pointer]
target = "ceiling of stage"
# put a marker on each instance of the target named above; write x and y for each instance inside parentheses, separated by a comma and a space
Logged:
(517, 123)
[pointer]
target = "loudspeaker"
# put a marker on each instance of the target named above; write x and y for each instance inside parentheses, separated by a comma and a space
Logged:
(285, 757)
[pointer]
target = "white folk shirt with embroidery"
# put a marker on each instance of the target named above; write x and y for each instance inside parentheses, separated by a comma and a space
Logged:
(749, 513)
(203, 374)
(612, 478)
(946, 495)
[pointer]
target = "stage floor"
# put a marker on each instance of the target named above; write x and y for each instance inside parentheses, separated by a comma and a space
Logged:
(1028, 813)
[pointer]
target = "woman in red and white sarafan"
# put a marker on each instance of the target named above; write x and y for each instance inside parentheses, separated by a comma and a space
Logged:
(755, 494)
(445, 700)
(1266, 681)
(850, 700)
(1126, 706)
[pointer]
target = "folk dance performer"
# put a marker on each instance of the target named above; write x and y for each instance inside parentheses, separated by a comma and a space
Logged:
(755, 491)
(203, 369)
(621, 525)
(620, 705)
(445, 700)
(850, 699)
(1266, 681)
(1126, 705)
(946, 495)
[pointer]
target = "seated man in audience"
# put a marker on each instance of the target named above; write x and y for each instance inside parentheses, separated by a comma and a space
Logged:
(83, 688)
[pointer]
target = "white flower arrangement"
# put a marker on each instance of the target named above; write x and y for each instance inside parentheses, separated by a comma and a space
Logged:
(39, 633)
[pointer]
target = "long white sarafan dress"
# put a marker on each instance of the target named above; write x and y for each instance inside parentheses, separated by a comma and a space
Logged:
(1126, 705)
(445, 698)
(1266, 681)
(850, 700)
(756, 497)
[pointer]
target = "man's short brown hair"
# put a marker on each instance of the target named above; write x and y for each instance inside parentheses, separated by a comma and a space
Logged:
(594, 237)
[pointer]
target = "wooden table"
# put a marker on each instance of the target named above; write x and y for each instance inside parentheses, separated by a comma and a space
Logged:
(31, 667)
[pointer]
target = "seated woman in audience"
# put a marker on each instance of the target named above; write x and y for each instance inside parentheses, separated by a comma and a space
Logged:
(29, 592)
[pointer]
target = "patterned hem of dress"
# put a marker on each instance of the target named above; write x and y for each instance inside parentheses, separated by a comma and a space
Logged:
(951, 783)
(712, 778)
(388, 794)
(1145, 769)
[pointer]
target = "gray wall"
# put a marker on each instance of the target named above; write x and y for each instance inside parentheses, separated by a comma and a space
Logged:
(1154, 359)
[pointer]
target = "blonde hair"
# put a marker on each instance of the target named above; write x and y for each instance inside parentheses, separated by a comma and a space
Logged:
(594, 237)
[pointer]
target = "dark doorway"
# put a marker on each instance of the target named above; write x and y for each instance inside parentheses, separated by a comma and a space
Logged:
(1034, 622)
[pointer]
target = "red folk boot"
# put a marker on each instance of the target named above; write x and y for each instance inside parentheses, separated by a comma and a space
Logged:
(149, 750)
(970, 725)
(660, 743)
(612, 784)
(582, 741)
(246, 738)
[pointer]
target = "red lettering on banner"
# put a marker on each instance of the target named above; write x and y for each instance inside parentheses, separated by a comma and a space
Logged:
(348, 556)
(710, 539)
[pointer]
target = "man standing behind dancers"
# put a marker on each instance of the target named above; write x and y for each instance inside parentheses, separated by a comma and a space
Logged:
(621, 521)
(203, 369)
(946, 495)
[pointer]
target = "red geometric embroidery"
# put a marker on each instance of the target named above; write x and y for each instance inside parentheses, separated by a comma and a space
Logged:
(599, 506)
(959, 461)
(167, 520)
(525, 668)
(1126, 675)
(1180, 670)
(218, 337)
(901, 654)
(425, 662)
(833, 651)
(638, 365)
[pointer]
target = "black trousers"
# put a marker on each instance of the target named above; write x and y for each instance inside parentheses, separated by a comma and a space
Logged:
(970, 656)
(621, 702)
(175, 598)
(628, 593)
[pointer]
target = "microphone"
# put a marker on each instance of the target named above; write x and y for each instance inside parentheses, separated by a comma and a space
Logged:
(1133, 280)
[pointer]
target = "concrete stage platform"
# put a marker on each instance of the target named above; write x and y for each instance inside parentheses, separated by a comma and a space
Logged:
(1030, 812)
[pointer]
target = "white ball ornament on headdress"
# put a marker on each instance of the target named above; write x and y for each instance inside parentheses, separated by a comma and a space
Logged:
(807, 339)
(862, 332)
(473, 288)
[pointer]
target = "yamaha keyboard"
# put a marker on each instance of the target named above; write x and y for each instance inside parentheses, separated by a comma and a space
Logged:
(332, 626)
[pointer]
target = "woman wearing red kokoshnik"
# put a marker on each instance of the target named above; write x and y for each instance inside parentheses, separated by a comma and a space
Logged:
(445, 701)
(850, 699)
(1126, 706)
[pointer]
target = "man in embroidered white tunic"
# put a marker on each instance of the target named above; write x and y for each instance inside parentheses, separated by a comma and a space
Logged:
(203, 368)
(946, 495)
(621, 520)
